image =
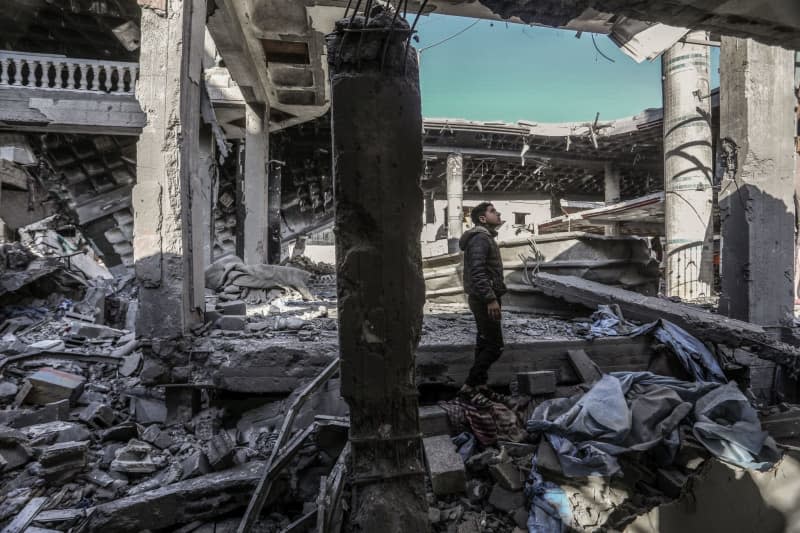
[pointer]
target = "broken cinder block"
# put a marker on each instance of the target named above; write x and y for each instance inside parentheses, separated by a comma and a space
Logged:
(507, 475)
(537, 383)
(445, 466)
(219, 451)
(235, 307)
(50, 385)
(98, 415)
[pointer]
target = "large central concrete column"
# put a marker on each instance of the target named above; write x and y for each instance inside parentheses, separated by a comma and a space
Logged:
(756, 198)
(688, 175)
(256, 185)
(377, 164)
(164, 244)
(612, 193)
(455, 199)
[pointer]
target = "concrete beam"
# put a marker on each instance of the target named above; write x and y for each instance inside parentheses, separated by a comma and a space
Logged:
(168, 156)
(30, 109)
(757, 131)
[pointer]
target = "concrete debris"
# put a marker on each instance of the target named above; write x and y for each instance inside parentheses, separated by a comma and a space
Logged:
(62, 462)
(537, 383)
(445, 466)
(50, 385)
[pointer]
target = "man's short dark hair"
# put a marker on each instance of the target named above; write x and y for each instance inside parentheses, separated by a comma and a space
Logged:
(478, 211)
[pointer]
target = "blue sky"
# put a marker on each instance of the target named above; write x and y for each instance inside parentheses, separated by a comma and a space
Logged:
(510, 72)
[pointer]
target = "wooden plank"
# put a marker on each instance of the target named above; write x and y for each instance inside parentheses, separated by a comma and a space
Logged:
(25, 516)
(707, 327)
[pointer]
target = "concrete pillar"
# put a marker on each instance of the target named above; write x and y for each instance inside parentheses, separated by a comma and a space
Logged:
(377, 157)
(202, 198)
(757, 130)
(164, 242)
(274, 213)
(256, 182)
(455, 201)
(688, 175)
(611, 191)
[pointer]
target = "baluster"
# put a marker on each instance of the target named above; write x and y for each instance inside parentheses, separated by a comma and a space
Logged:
(99, 70)
(18, 72)
(84, 74)
(70, 75)
(34, 76)
(120, 79)
(4, 71)
(134, 79)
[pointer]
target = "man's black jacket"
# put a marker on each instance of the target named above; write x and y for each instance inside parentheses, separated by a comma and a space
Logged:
(483, 266)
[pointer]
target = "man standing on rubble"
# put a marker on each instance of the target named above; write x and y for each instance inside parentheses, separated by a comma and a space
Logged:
(484, 285)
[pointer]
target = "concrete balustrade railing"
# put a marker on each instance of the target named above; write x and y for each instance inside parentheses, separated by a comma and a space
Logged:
(55, 72)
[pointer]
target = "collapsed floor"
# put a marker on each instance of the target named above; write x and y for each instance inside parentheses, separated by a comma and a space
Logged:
(100, 431)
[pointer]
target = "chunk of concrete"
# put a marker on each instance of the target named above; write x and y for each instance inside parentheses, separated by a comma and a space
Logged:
(156, 437)
(433, 420)
(50, 385)
(14, 450)
(507, 475)
(196, 464)
(200, 498)
(134, 459)
(219, 451)
(148, 410)
(231, 322)
(51, 412)
(98, 415)
(55, 432)
(8, 390)
(235, 307)
(537, 383)
(62, 462)
(121, 432)
(506, 500)
(445, 466)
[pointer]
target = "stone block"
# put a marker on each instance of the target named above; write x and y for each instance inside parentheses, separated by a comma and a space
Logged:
(445, 466)
(122, 432)
(433, 421)
(51, 412)
(195, 465)
(235, 307)
(148, 410)
(54, 432)
(97, 415)
(506, 500)
(537, 383)
(219, 451)
(507, 475)
(62, 462)
(156, 437)
(231, 323)
(50, 385)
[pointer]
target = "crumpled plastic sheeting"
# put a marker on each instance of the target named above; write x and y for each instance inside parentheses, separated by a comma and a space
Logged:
(638, 411)
(230, 270)
(550, 509)
(693, 354)
(606, 323)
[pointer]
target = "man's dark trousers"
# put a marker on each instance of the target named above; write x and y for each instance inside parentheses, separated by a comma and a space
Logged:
(488, 343)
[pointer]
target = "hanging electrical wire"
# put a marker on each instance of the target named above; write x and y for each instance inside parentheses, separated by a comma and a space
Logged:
(600, 51)
(448, 38)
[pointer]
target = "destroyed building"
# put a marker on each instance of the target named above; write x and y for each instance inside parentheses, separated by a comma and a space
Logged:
(231, 297)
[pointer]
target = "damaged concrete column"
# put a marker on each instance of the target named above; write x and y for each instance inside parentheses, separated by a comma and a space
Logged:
(688, 175)
(455, 198)
(377, 158)
(274, 213)
(256, 185)
(757, 131)
(611, 191)
(168, 90)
